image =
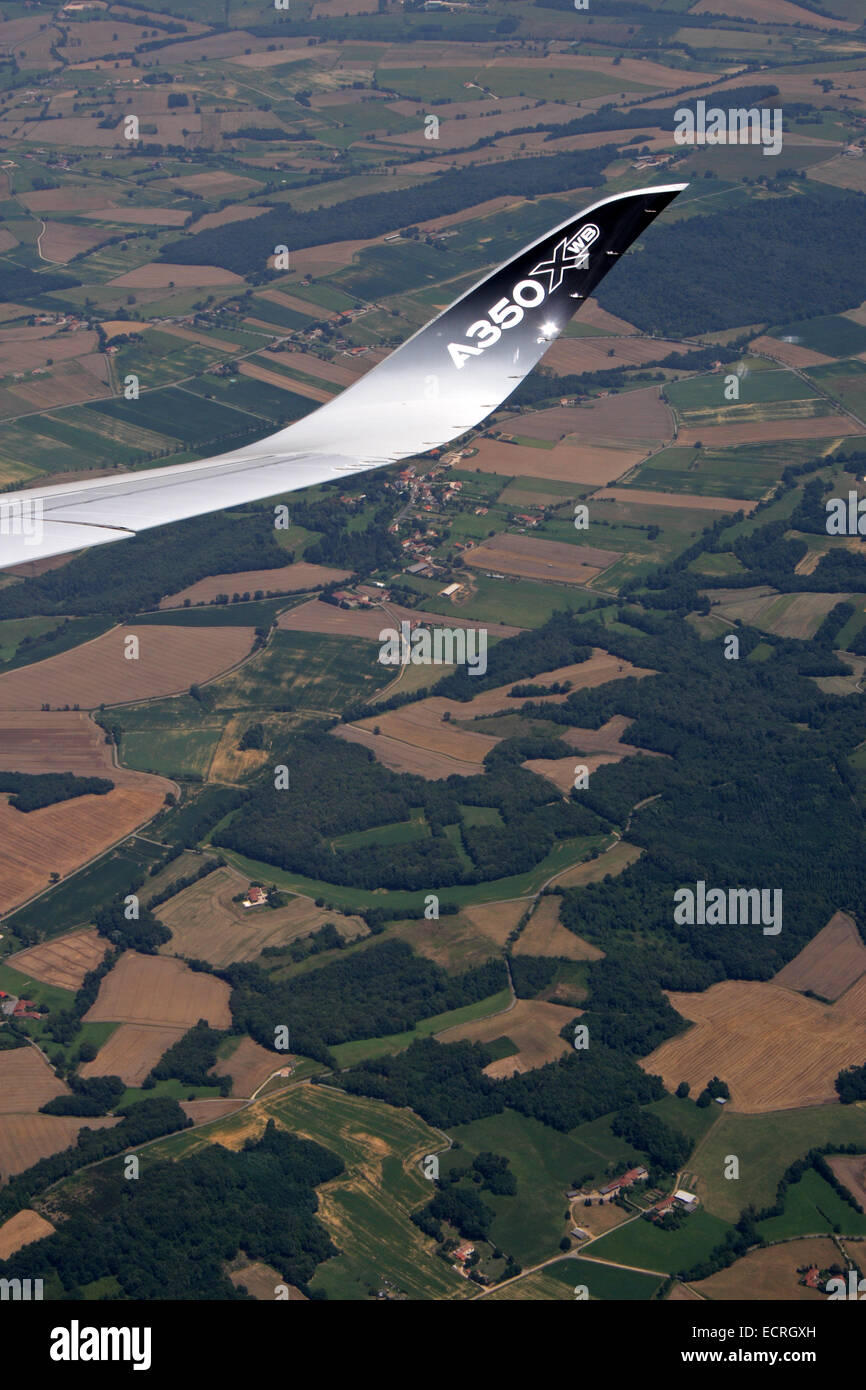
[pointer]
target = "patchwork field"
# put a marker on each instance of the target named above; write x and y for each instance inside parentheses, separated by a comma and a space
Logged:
(207, 925)
(531, 1025)
(289, 579)
(831, 962)
(416, 738)
(170, 660)
(156, 990)
(64, 961)
(787, 615)
(60, 838)
(544, 935)
(775, 1049)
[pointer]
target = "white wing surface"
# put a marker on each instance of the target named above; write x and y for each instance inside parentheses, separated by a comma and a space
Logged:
(444, 380)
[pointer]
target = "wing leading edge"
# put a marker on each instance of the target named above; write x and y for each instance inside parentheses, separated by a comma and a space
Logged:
(444, 380)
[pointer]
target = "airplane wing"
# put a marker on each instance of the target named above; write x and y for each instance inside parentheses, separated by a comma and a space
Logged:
(444, 380)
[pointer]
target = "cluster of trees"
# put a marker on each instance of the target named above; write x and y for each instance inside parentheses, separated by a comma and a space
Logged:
(294, 828)
(446, 1085)
(94, 1096)
(136, 575)
(246, 246)
(168, 1235)
(362, 551)
(730, 249)
(851, 1084)
(191, 1058)
(666, 1148)
(380, 991)
(32, 791)
(131, 931)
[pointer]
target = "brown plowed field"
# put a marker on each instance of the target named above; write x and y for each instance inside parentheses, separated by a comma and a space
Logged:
(63, 962)
(775, 1049)
(287, 579)
(533, 558)
(496, 920)
(160, 276)
(760, 431)
(830, 964)
(62, 240)
(316, 616)
(157, 990)
(532, 1026)
(26, 1082)
(63, 741)
(249, 1066)
(144, 217)
(240, 213)
(22, 1229)
(207, 925)
(675, 499)
(200, 1111)
(570, 462)
(773, 12)
(24, 1139)
(170, 659)
(132, 1051)
(850, 1169)
(560, 771)
(544, 935)
(639, 415)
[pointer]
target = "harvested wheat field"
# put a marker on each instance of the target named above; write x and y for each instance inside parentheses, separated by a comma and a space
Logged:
(639, 415)
(532, 558)
(60, 241)
(64, 741)
(22, 1229)
(287, 579)
(496, 920)
(158, 275)
(63, 962)
(786, 615)
(202, 1111)
(157, 990)
(229, 762)
(830, 964)
(772, 1273)
(760, 431)
(143, 217)
(561, 771)
(132, 1051)
(315, 616)
(575, 355)
(170, 660)
(532, 1026)
(260, 1280)
(60, 838)
(617, 858)
(416, 738)
(567, 462)
(249, 1067)
(207, 925)
(773, 12)
(238, 213)
(690, 501)
(26, 1082)
(544, 935)
(776, 1049)
(24, 1139)
(850, 1169)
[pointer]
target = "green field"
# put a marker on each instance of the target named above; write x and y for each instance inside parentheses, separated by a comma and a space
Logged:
(832, 334)
(304, 671)
(178, 752)
(603, 1281)
(811, 1208)
(642, 1243)
(765, 1146)
(708, 392)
